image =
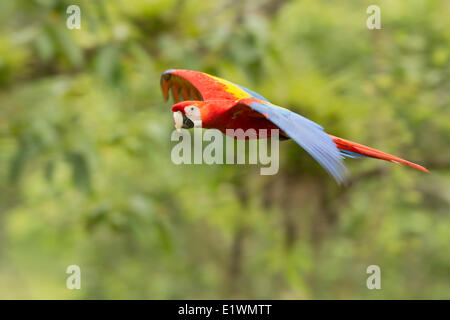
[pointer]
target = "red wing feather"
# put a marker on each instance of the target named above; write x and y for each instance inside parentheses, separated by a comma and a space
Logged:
(194, 85)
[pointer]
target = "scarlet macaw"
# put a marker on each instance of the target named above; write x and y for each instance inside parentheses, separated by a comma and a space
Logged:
(211, 102)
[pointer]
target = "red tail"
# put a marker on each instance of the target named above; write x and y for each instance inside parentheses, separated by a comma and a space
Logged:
(359, 149)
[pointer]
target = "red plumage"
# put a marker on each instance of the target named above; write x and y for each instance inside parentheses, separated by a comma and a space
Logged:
(357, 148)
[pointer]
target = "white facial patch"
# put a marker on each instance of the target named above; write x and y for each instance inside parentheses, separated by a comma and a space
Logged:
(193, 113)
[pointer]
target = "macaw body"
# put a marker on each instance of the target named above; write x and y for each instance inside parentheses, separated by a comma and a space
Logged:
(226, 114)
(202, 100)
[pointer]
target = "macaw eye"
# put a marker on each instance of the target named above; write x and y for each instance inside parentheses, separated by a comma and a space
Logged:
(193, 113)
(191, 110)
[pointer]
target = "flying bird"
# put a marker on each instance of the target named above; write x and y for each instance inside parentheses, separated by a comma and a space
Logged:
(203, 100)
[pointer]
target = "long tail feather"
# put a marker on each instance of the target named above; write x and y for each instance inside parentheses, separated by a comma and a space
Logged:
(354, 150)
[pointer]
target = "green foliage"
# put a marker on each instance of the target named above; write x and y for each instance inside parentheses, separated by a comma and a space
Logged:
(86, 176)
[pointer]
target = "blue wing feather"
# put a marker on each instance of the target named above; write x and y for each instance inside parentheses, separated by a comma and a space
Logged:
(350, 154)
(309, 135)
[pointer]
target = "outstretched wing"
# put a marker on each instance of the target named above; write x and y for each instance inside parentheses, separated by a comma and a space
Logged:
(308, 134)
(195, 85)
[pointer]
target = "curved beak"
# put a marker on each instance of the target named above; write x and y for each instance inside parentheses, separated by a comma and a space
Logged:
(181, 121)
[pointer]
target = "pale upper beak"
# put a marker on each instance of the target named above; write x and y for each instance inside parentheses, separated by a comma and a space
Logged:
(182, 121)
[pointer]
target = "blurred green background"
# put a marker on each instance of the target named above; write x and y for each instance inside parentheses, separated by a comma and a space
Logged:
(86, 176)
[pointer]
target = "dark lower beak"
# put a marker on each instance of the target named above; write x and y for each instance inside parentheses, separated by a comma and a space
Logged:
(187, 123)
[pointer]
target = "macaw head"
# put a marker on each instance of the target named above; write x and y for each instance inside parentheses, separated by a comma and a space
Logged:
(188, 114)
(198, 114)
